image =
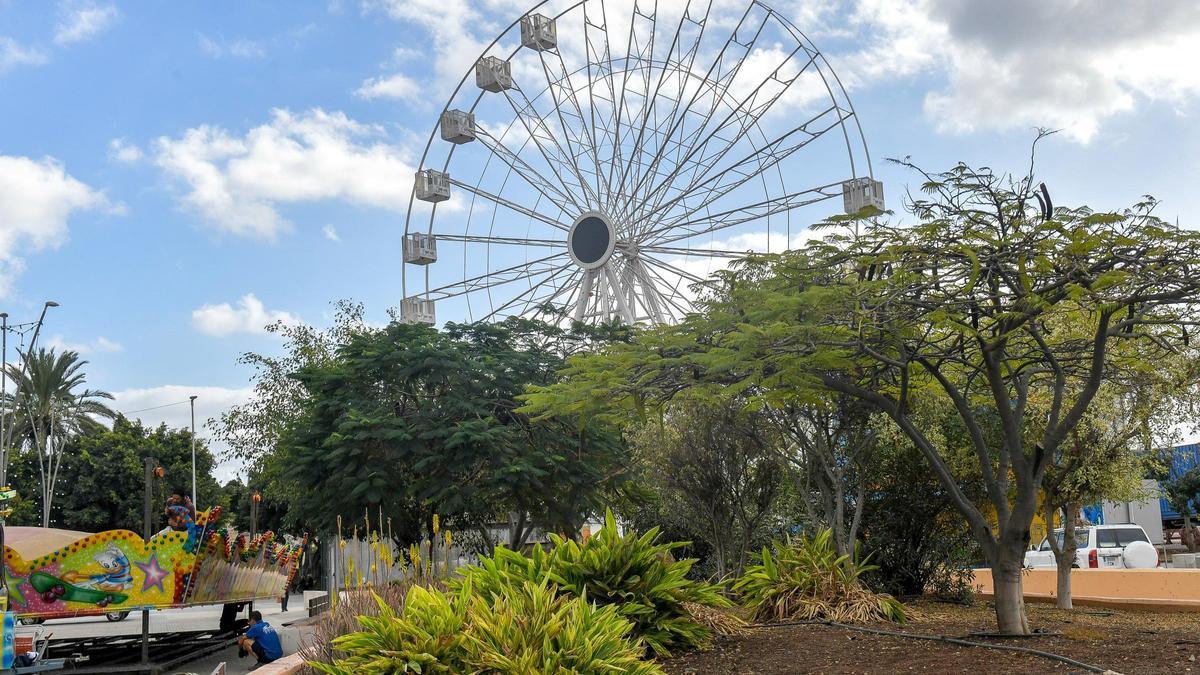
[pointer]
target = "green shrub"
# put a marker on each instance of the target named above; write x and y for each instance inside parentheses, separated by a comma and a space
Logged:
(531, 629)
(506, 569)
(426, 636)
(636, 574)
(524, 628)
(807, 579)
(640, 577)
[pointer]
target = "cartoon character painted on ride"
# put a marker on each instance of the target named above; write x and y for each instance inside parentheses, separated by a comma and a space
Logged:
(115, 574)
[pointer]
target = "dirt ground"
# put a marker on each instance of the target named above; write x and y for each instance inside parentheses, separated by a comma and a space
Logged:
(1123, 641)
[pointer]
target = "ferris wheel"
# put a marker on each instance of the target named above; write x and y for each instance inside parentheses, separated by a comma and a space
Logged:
(599, 163)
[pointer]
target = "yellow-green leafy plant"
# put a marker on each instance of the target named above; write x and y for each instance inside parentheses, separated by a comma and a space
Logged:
(634, 573)
(425, 636)
(524, 628)
(806, 579)
(532, 629)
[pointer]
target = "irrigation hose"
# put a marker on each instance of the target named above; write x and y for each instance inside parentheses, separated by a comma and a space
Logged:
(943, 638)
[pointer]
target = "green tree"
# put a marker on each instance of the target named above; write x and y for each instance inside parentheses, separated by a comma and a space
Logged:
(722, 471)
(51, 408)
(104, 472)
(419, 421)
(252, 430)
(961, 305)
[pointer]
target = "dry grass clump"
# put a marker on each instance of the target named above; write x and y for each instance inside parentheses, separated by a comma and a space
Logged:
(721, 621)
(806, 580)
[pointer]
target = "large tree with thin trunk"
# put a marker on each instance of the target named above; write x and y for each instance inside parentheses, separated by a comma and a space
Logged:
(51, 407)
(964, 305)
(725, 477)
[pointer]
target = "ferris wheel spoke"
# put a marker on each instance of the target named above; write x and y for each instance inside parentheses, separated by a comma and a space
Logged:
(566, 92)
(650, 294)
(599, 55)
(639, 55)
(754, 163)
(556, 291)
(674, 288)
(725, 58)
(560, 162)
(508, 204)
(740, 215)
(504, 276)
(554, 273)
(678, 54)
(676, 270)
(506, 241)
(698, 252)
(531, 176)
(743, 117)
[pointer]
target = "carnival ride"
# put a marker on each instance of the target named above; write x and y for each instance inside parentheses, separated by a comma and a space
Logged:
(591, 169)
(60, 573)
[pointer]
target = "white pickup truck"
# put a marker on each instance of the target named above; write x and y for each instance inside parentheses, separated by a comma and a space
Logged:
(1101, 546)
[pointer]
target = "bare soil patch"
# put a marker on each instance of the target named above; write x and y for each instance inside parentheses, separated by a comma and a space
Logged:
(1123, 641)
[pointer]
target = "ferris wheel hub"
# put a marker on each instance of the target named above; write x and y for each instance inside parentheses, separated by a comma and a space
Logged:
(591, 240)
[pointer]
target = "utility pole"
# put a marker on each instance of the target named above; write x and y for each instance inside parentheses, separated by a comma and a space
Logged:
(4, 491)
(7, 493)
(147, 524)
(195, 504)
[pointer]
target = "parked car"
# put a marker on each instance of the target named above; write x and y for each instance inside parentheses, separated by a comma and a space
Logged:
(1101, 546)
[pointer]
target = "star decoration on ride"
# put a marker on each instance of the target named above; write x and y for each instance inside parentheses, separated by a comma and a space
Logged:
(155, 575)
(14, 586)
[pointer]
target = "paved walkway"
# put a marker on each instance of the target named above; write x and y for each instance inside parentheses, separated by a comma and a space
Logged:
(188, 619)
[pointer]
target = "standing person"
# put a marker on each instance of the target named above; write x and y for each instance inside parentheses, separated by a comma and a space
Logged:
(283, 600)
(261, 640)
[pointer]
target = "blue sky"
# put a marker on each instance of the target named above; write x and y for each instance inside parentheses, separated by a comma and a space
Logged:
(177, 175)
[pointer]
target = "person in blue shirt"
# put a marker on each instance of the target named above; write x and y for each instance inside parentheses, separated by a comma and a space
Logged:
(261, 640)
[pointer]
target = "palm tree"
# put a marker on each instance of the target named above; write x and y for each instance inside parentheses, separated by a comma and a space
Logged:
(50, 406)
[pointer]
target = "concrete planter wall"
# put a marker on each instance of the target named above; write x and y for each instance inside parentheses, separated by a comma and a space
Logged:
(1158, 589)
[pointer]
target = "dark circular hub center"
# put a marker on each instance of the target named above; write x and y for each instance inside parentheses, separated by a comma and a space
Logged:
(590, 240)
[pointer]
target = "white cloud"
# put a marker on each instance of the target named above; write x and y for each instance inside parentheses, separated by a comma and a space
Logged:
(397, 86)
(168, 404)
(330, 233)
(37, 198)
(100, 345)
(250, 316)
(240, 48)
(122, 151)
(14, 54)
(236, 182)
(455, 47)
(82, 20)
(1028, 63)
(984, 65)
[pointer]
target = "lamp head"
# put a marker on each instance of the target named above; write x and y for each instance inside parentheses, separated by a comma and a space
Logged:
(51, 303)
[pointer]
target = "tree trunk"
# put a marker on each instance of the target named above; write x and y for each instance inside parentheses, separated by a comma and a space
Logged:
(1008, 589)
(1186, 537)
(1066, 557)
(1063, 599)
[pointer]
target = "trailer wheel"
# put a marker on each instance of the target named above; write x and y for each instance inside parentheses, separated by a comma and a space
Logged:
(32, 620)
(116, 616)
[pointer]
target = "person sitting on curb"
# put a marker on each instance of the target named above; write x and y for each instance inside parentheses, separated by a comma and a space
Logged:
(261, 640)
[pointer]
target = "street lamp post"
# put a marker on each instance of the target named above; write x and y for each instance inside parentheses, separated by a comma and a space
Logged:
(7, 493)
(195, 504)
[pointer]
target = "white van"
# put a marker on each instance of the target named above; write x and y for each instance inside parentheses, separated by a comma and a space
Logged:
(1101, 546)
